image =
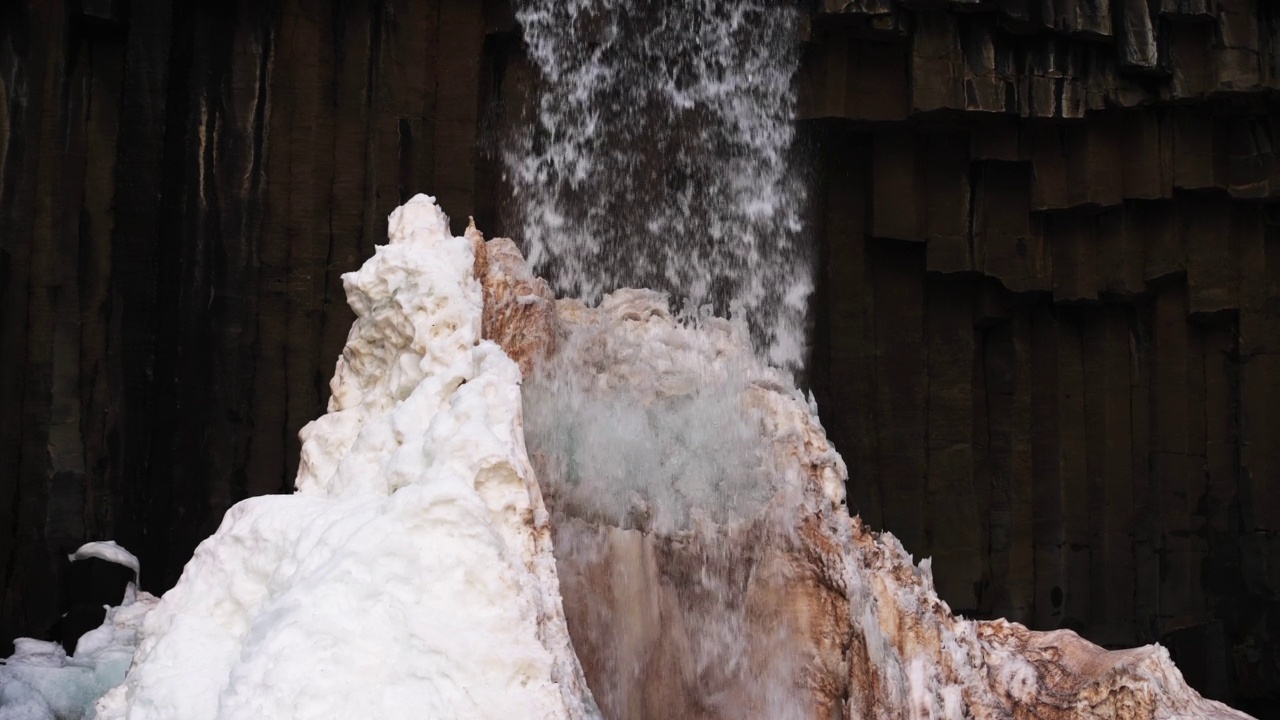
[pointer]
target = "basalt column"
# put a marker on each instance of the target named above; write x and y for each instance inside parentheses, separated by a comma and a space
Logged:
(1048, 320)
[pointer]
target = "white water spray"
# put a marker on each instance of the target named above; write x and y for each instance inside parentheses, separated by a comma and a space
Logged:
(661, 157)
(655, 449)
(655, 441)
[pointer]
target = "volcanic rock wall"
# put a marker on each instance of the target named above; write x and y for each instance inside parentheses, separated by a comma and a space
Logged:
(1047, 332)
(1049, 320)
(181, 185)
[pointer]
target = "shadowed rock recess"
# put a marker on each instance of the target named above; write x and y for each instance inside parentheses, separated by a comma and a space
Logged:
(1046, 329)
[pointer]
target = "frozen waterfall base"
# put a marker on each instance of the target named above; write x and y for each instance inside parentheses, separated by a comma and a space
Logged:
(799, 610)
(413, 574)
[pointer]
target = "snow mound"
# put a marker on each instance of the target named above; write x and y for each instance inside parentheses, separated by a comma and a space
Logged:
(709, 564)
(411, 575)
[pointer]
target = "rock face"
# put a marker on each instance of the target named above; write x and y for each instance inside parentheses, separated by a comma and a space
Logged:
(1048, 304)
(1047, 297)
(792, 609)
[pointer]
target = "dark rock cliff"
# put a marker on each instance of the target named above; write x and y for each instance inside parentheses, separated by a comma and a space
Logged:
(1050, 310)
(1047, 327)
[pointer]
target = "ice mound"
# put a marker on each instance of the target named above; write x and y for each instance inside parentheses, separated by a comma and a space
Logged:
(41, 682)
(711, 569)
(411, 575)
(708, 564)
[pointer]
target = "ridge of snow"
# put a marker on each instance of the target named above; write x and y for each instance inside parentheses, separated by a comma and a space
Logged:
(411, 574)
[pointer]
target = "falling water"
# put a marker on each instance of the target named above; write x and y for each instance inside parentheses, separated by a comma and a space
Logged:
(660, 156)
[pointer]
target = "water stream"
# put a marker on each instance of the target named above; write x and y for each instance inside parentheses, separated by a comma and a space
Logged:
(661, 156)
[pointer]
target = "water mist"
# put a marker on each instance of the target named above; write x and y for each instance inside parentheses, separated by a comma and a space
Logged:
(656, 460)
(660, 156)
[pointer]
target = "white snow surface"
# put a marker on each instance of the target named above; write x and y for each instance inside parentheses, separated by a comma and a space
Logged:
(411, 575)
(41, 682)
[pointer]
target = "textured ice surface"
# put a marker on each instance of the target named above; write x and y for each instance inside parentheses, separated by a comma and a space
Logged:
(411, 575)
(41, 682)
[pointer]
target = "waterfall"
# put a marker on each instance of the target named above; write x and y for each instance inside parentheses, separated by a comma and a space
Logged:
(660, 155)
(595, 509)
(655, 445)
